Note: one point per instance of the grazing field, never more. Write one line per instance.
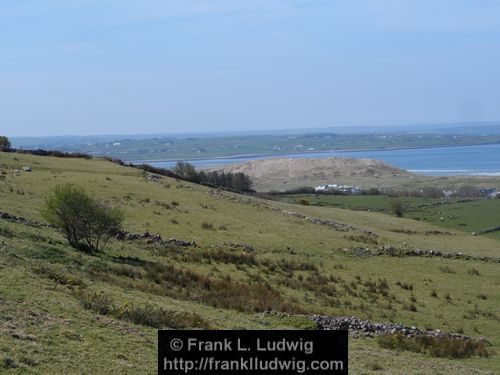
(466, 215)
(68, 311)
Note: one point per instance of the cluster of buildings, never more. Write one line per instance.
(344, 189)
(489, 193)
(471, 192)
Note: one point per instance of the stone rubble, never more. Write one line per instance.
(244, 246)
(155, 238)
(392, 251)
(120, 235)
(371, 329)
(335, 224)
(21, 220)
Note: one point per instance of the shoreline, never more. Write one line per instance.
(277, 155)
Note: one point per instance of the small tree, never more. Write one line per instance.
(397, 208)
(4, 143)
(186, 170)
(66, 207)
(81, 218)
(103, 222)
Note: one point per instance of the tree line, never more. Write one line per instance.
(234, 181)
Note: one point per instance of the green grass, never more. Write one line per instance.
(300, 264)
(468, 216)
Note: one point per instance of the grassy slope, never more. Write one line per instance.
(470, 216)
(35, 305)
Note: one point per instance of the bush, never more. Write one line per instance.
(4, 143)
(81, 218)
(6, 232)
(397, 208)
(186, 170)
(102, 223)
(371, 191)
(473, 271)
(207, 226)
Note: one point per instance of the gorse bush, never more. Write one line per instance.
(81, 218)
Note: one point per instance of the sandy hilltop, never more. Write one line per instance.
(289, 173)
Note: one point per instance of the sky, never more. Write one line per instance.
(176, 66)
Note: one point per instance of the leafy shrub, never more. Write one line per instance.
(81, 218)
(405, 286)
(4, 143)
(473, 271)
(371, 191)
(9, 363)
(98, 302)
(397, 208)
(6, 232)
(410, 307)
(207, 226)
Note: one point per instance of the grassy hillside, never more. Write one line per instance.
(466, 215)
(62, 310)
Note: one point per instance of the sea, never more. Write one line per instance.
(477, 160)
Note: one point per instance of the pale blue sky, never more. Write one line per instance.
(162, 66)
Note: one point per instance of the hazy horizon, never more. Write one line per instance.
(191, 66)
(458, 128)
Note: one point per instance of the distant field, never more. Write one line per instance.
(468, 216)
(174, 147)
